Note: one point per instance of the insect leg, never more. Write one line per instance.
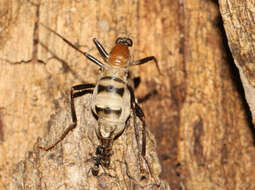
(147, 96)
(137, 110)
(76, 91)
(140, 114)
(133, 106)
(147, 59)
(88, 56)
(133, 109)
(101, 49)
(134, 83)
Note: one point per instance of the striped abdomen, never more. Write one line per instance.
(111, 105)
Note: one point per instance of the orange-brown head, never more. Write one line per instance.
(119, 56)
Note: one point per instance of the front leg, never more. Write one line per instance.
(76, 91)
(101, 50)
(147, 59)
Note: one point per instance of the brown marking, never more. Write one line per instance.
(198, 147)
(1, 131)
(224, 153)
(36, 34)
(119, 56)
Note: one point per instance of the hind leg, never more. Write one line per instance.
(76, 91)
(139, 113)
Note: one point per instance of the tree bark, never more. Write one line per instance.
(198, 116)
(42, 82)
(69, 164)
(238, 17)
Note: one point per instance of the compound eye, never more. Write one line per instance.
(129, 42)
(119, 40)
(125, 41)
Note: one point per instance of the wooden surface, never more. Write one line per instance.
(238, 17)
(199, 117)
(69, 164)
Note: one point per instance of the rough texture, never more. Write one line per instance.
(199, 116)
(68, 165)
(238, 17)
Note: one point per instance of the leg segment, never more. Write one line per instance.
(147, 96)
(76, 91)
(137, 110)
(140, 114)
(147, 59)
(135, 82)
(101, 49)
(134, 112)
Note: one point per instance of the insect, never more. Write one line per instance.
(113, 99)
(102, 158)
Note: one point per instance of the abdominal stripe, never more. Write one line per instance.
(108, 111)
(111, 89)
(112, 78)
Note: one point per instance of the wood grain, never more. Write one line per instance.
(199, 116)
